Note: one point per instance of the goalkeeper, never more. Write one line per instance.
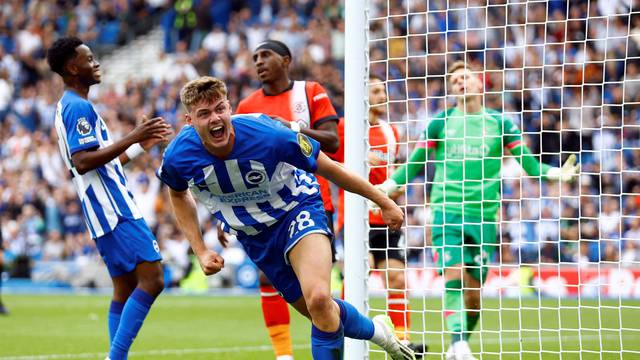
(466, 143)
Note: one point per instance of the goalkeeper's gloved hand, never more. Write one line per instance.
(566, 173)
(388, 187)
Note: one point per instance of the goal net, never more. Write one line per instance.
(563, 278)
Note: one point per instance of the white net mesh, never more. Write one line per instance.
(564, 281)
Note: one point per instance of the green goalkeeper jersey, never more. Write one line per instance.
(468, 159)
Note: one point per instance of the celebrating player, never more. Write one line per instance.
(303, 106)
(255, 176)
(95, 161)
(467, 142)
(387, 255)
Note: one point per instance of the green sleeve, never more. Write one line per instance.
(529, 162)
(408, 171)
(418, 157)
(512, 140)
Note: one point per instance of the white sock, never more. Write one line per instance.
(284, 357)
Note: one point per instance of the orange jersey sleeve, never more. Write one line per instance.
(339, 155)
(321, 109)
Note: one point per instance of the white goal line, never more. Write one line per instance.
(487, 340)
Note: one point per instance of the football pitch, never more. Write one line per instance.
(223, 327)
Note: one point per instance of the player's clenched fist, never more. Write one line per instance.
(392, 215)
(210, 262)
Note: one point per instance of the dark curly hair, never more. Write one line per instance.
(61, 51)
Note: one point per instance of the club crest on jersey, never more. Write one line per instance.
(255, 177)
(299, 107)
(305, 145)
(83, 127)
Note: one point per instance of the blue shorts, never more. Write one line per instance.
(129, 244)
(269, 250)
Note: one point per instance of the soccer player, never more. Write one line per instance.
(95, 161)
(387, 255)
(303, 106)
(255, 176)
(467, 143)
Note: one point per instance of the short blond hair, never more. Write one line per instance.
(204, 89)
(458, 65)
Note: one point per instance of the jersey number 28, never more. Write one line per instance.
(302, 221)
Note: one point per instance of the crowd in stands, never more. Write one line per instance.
(568, 79)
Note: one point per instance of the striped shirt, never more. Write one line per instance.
(267, 174)
(104, 194)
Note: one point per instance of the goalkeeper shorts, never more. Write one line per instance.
(469, 241)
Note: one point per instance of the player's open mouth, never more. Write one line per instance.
(217, 132)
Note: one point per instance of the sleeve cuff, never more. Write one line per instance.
(324, 120)
(90, 145)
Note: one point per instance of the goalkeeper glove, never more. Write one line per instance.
(388, 187)
(566, 172)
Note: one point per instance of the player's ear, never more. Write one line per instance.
(71, 68)
(188, 119)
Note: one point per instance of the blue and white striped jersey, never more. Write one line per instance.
(103, 192)
(268, 173)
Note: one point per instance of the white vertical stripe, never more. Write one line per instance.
(235, 175)
(390, 138)
(211, 179)
(124, 191)
(299, 105)
(92, 219)
(261, 216)
(104, 197)
(232, 219)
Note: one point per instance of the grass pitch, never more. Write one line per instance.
(215, 327)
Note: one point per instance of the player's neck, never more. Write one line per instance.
(277, 87)
(373, 119)
(77, 88)
(470, 105)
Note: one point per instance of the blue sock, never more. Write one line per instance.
(135, 310)
(327, 345)
(115, 310)
(356, 325)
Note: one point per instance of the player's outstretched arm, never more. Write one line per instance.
(406, 172)
(352, 182)
(184, 208)
(87, 160)
(533, 167)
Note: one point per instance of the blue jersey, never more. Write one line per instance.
(268, 173)
(103, 191)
